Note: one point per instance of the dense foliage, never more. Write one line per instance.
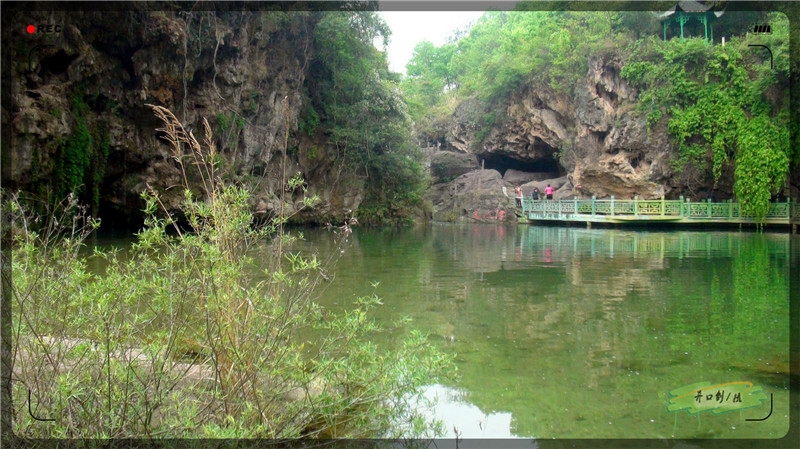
(81, 161)
(714, 101)
(723, 105)
(186, 335)
(506, 50)
(356, 103)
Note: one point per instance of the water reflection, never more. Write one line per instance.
(578, 333)
(566, 332)
(459, 415)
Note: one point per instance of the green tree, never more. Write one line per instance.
(718, 103)
(363, 114)
(428, 72)
(187, 336)
(506, 50)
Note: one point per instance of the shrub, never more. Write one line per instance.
(184, 335)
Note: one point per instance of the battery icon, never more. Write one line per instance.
(762, 29)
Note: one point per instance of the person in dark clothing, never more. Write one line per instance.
(712, 195)
(535, 194)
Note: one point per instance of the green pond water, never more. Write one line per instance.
(583, 333)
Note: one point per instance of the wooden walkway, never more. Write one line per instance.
(637, 211)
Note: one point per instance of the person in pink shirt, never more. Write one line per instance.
(548, 192)
(518, 196)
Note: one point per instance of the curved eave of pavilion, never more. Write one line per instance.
(690, 7)
(667, 14)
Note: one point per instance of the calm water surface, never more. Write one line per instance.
(576, 333)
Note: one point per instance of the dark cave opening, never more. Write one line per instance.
(120, 219)
(502, 163)
(56, 64)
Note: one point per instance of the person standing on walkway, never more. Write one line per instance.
(535, 194)
(548, 192)
(518, 195)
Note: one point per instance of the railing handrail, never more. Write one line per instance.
(663, 207)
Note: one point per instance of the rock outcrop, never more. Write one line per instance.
(475, 195)
(243, 71)
(447, 165)
(517, 177)
(594, 138)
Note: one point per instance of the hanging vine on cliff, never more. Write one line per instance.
(723, 106)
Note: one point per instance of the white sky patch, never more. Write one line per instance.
(412, 27)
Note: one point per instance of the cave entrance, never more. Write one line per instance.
(502, 163)
(56, 64)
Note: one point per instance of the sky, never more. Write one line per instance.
(410, 28)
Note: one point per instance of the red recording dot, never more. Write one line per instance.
(31, 29)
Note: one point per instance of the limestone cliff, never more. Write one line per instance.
(234, 68)
(593, 137)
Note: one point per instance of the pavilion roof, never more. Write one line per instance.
(690, 6)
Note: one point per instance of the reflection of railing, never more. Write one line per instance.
(611, 243)
(680, 210)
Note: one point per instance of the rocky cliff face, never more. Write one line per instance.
(593, 137)
(232, 68)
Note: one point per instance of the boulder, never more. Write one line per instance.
(478, 191)
(518, 177)
(622, 175)
(447, 165)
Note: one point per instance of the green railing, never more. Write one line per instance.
(664, 208)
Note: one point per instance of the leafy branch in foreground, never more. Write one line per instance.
(209, 331)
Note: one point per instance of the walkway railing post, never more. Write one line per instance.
(612, 241)
(662, 205)
(594, 204)
(681, 206)
(708, 207)
(636, 205)
(612, 205)
(730, 208)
